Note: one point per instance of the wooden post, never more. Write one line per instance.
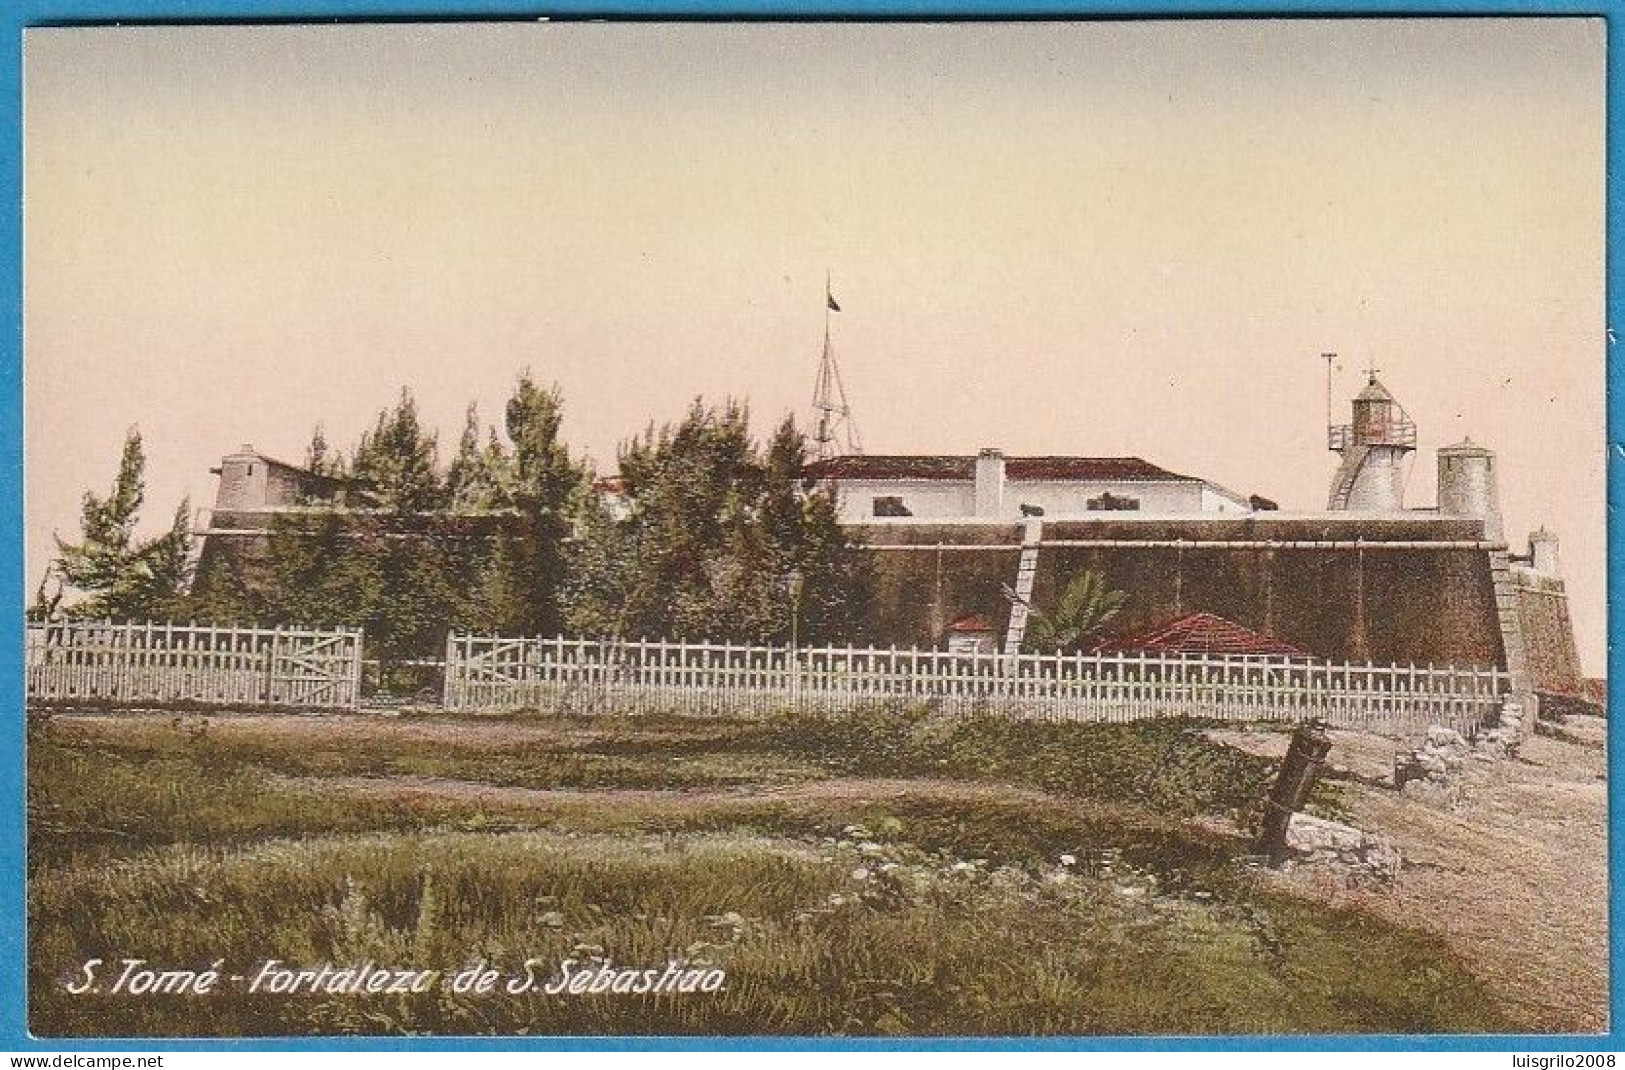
(1299, 770)
(354, 669)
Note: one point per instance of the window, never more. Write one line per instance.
(1109, 502)
(891, 505)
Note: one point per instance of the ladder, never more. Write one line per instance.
(1032, 533)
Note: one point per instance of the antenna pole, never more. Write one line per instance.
(1328, 358)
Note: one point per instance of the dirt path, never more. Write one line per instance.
(838, 789)
(460, 731)
(1516, 879)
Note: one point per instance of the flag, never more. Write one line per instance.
(829, 297)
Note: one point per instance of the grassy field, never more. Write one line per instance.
(885, 873)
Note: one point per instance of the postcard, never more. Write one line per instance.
(808, 529)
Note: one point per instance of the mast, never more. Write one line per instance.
(834, 430)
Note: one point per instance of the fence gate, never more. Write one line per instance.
(479, 669)
(321, 670)
(102, 663)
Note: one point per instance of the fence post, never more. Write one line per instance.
(355, 668)
(448, 694)
(795, 677)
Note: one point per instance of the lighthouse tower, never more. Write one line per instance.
(1371, 477)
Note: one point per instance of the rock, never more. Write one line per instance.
(1501, 741)
(1312, 834)
(1382, 857)
(1319, 840)
(1434, 770)
(1443, 794)
(1496, 744)
(1447, 742)
(1422, 765)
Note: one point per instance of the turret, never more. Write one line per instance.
(1467, 485)
(243, 480)
(1543, 552)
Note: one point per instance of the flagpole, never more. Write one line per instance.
(829, 393)
(829, 299)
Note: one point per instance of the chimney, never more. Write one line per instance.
(989, 482)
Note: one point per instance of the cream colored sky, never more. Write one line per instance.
(1111, 238)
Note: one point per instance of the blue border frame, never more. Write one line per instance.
(20, 14)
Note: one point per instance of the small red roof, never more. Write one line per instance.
(1201, 633)
(971, 622)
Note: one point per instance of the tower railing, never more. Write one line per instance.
(1398, 432)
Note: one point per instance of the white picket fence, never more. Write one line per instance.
(489, 672)
(163, 664)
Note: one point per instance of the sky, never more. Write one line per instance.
(1113, 238)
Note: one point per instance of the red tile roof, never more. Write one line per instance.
(971, 622)
(1016, 469)
(1201, 633)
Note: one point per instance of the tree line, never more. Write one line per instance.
(711, 535)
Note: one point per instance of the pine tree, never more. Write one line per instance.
(720, 535)
(123, 577)
(395, 464)
(317, 459)
(838, 586)
(544, 481)
(47, 596)
(593, 593)
(162, 577)
(781, 497)
(479, 478)
(691, 483)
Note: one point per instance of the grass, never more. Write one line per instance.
(1161, 764)
(568, 759)
(942, 909)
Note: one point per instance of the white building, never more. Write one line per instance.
(991, 486)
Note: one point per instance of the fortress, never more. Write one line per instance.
(1367, 578)
(993, 538)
